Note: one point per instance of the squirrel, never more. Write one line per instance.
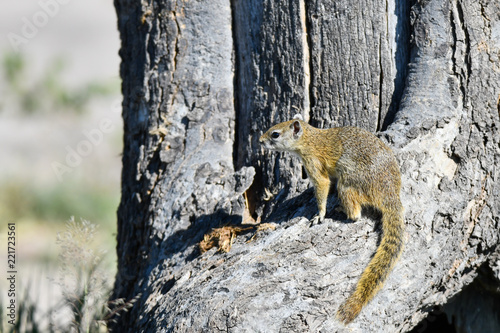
(367, 174)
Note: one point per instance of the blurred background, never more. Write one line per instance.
(60, 145)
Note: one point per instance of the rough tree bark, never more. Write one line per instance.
(203, 79)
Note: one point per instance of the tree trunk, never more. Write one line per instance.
(203, 79)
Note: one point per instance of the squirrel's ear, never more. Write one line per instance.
(297, 129)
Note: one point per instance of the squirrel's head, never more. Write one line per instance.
(283, 136)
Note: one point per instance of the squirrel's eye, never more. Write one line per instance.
(275, 135)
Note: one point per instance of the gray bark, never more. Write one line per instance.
(203, 79)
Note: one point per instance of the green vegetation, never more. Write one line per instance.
(48, 94)
(40, 207)
(21, 200)
(40, 212)
(84, 284)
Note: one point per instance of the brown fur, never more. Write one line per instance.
(367, 175)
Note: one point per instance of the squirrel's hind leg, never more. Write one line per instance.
(351, 202)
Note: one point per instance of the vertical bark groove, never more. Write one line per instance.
(308, 68)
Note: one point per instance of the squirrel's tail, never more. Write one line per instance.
(379, 267)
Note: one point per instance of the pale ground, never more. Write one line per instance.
(84, 33)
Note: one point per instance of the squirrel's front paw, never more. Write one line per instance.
(317, 219)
